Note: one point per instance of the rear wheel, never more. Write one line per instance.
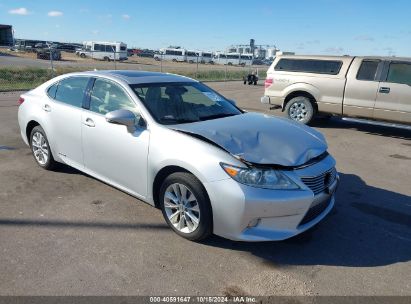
(300, 109)
(185, 206)
(106, 59)
(82, 55)
(41, 149)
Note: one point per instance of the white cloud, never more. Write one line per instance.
(334, 50)
(19, 11)
(125, 16)
(55, 14)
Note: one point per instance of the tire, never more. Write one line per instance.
(191, 61)
(174, 60)
(38, 138)
(181, 214)
(255, 82)
(300, 109)
(106, 59)
(82, 55)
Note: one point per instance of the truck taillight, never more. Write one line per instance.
(268, 82)
(20, 101)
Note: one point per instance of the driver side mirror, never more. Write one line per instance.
(124, 117)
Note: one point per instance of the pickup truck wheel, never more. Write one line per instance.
(300, 109)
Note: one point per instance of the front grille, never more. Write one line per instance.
(320, 182)
(315, 211)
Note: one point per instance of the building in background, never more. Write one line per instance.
(6, 35)
(258, 51)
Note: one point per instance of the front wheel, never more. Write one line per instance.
(185, 206)
(300, 109)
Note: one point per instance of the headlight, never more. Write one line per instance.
(261, 178)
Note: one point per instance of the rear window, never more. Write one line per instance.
(331, 67)
(399, 73)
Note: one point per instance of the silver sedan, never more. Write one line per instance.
(178, 145)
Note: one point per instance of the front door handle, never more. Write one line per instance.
(89, 122)
(385, 90)
(47, 108)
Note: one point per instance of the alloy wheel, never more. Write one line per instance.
(298, 111)
(40, 148)
(182, 208)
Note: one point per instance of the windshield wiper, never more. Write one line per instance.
(221, 115)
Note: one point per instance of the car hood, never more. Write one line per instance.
(260, 139)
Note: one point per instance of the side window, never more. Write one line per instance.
(51, 92)
(107, 96)
(368, 70)
(71, 90)
(399, 73)
(330, 67)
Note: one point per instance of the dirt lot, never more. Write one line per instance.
(65, 233)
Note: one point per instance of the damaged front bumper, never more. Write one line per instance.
(246, 213)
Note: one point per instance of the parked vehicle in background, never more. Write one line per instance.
(192, 57)
(171, 54)
(233, 58)
(145, 53)
(206, 57)
(251, 78)
(44, 53)
(376, 88)
(246, 59)
(220, 58)
(178, 145)
(102, 50)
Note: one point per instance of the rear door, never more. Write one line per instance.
(361, 87)
(65, 110)
(393, 101)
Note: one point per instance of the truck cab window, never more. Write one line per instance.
(368, 70)
(399, 73)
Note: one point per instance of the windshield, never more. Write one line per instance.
(174, 103)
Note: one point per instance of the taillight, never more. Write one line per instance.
(268, 82)
(20, 101)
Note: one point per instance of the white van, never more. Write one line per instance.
(192, 57)
(176, 55)
(102, 50)
(246, 59)
(233, 58)
(206, 57)
(220, 58)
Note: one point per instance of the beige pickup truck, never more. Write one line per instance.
(374, 88)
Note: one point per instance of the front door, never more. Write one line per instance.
(394, 94)
(114, 153)
(361, 88)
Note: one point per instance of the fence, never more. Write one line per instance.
(26, 70)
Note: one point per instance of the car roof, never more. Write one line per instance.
(137, 77)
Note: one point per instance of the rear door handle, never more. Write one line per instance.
(385, 90)
(89, 122)
(46, 108)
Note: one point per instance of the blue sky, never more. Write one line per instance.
(305, 26)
